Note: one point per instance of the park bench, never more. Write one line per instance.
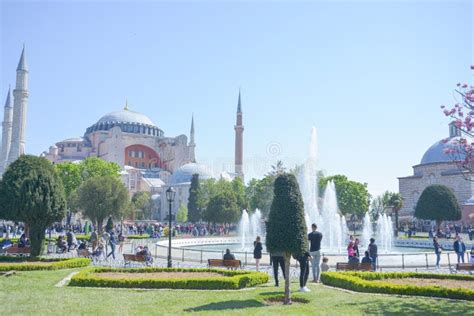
(84, 253)
(15, 250)
(345, 266)
(465, 267)
(129, 258)
(231, 264)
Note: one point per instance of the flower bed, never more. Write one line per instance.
(225, 279)
(31, 263)
(379, 283)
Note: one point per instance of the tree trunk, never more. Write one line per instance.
(36, 240)
(100, 223)
(438, 224)
(287, 299)
(396, 223)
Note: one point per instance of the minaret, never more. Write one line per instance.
(20, 105)
(6, 131)
(239, 141)
(192, 144)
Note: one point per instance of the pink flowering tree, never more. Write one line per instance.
(462, 114)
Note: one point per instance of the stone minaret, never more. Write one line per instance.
(192, 144)
(239, 141)
(6, 132)
(20, 104)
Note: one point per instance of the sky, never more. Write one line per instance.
(369, 75)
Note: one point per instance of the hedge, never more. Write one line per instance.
(42, 264)
(374, 283)
(230, 280)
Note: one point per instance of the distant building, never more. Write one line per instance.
(437, 167)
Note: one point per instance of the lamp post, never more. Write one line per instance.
(170, 194)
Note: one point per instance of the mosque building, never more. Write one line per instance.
(150, 160)
(437, 167)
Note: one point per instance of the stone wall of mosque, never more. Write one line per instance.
(446, 174)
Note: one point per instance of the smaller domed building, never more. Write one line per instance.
(437, 167)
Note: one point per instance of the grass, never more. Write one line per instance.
(34, 293)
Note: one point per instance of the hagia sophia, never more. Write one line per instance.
(150, 160)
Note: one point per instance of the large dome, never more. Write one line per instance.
(125, 116)
(437, 152)
(184, 173)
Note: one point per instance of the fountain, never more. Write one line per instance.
(385, 233)
(309, 183)
(332, 224)
(256, 224)
(244, 229)
(367, 231)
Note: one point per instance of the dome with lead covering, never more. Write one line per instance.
(185, 173)
(438, 152)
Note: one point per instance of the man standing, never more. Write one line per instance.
(373, 253)
(315, 238)
(459, 248)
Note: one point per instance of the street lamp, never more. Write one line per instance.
(170, 194)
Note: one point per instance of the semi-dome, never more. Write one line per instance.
(184, 173)
(125, 116)
(437, 152)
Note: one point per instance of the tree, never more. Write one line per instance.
(352, 197)
(437, 202)
(260, 194)
(95, 167)
(286, 228)
(222, 208)
(182, 215)
(101, 197)
(32, 192)
(238, 187)
(396, 203)
(277, 169)
(142, 203)
(380, 205)
(194, 211)
(461, 149)
(110, 224)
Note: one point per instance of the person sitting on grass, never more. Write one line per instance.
(228, 255)
(367, 258)
(324, 265)
(23, 242)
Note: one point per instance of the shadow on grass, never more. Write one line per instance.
(414, 306)
(220, 306)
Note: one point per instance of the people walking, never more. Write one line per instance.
(459, 248)
(303, 260)
(112, 243)
(275, 260)
(437, 249)
(257, 252)
(373, 253)
(315, 238)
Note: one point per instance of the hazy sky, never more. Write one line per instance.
(370, 75)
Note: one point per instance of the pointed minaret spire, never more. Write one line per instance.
(192, 144)
(22, 65)
(126, 105)
(239, 105)
(6, 132)
(239, 141)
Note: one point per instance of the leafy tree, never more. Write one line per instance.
(142, 203)
(95, 167)
(238, 187)
(260, 194)
(194, 211)
(101, 197)
(352, 197)
(380, 204)
(222, 208)
(277, 169)
(286, 228)
(396, 203)
(182, 215)
(437, 202)
(462, 114)
(32, 192)
(207, 189)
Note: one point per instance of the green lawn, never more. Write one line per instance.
(34, 293)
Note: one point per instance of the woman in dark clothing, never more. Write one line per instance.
(303, 260)
(257, 252)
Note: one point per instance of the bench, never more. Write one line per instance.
(465, 267)
(84, 253)
(231, 264)
(345, 266)
(15, 250)
(129, 258)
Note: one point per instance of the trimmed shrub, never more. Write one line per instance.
(230, 280)
(375, 283)
(30, 264)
